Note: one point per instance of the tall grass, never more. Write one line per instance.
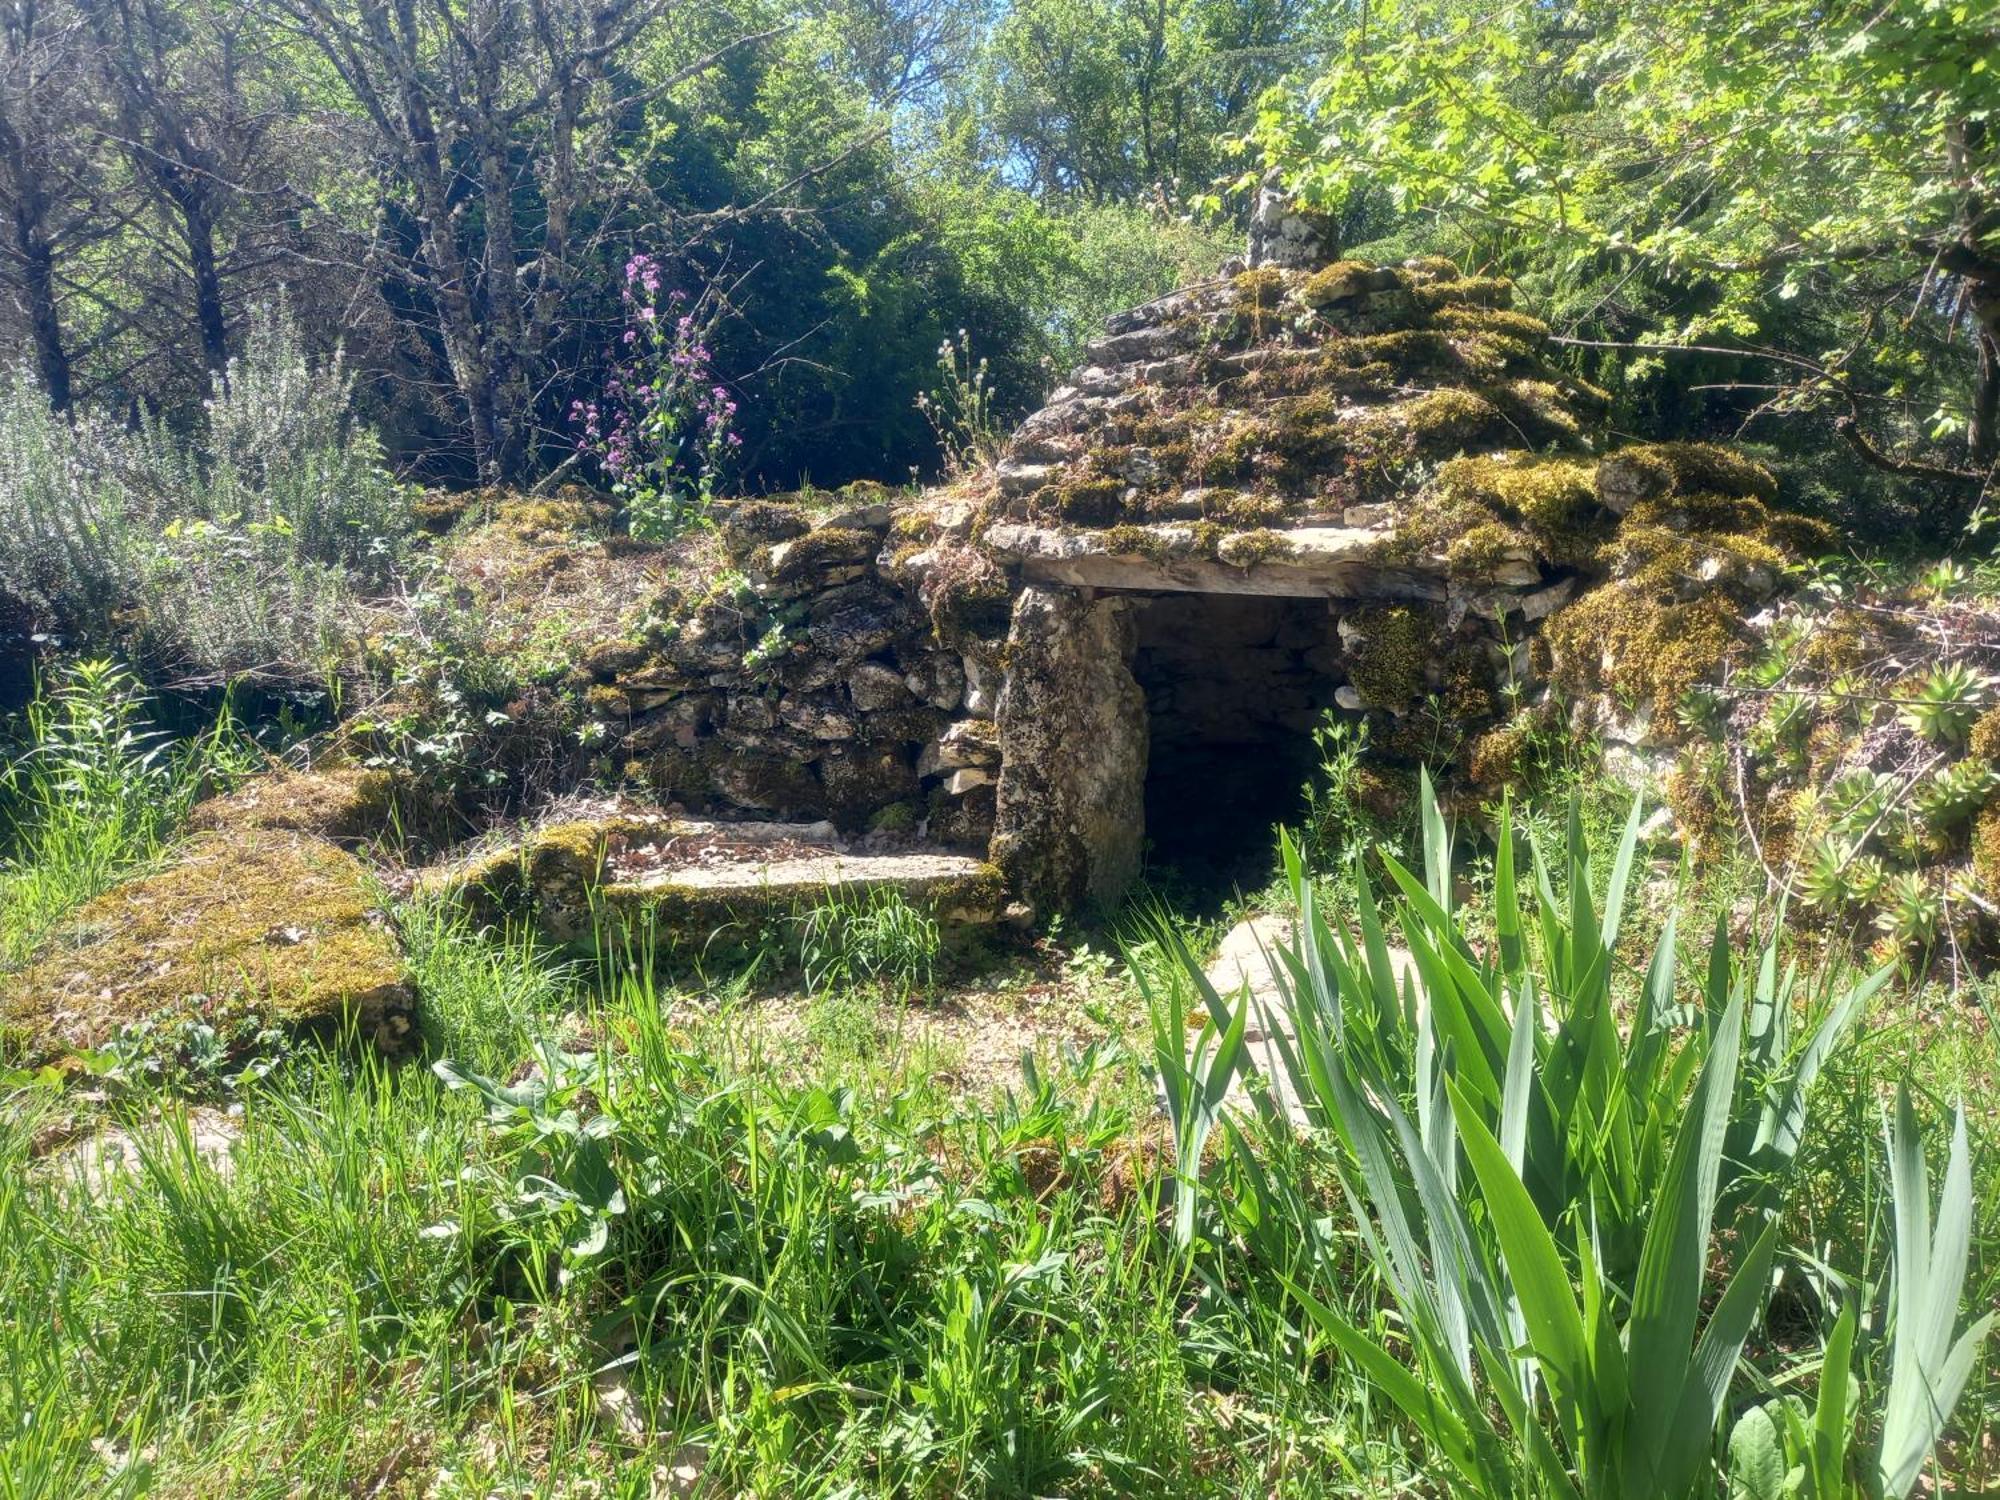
(611, 1238)
(95, 793)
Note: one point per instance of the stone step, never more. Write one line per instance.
(955, 890)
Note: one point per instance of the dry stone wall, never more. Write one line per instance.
(808, 681)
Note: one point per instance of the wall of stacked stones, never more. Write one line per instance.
(1390, 443)
(811, 681)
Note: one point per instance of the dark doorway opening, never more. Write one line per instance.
(1234, 686)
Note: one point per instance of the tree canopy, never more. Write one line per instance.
(1812, 184)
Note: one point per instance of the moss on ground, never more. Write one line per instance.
(350, 804)
(279, 928)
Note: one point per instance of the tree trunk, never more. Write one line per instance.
(38, 291)
(210, 317)
(1983, 432)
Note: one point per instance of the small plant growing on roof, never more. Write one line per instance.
(1912, 909)
(1947, 703)
(1947, 797)
(960, 409)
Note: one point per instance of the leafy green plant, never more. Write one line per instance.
(1570, 1330)
(552, 1128)
(1947, 797)
(1192, 1084)
(230, 551)
(1825, 882)
(1912, 907)
(1927, 1369)
(1337, 828)
(1945, 704)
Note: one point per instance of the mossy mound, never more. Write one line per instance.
(1683, 569)
(547, 877)
(245, 927)
(348, 804)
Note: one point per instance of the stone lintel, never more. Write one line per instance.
(1313, 562)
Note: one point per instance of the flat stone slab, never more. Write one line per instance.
(912, 874)
(693, 876)
(1310, 562)
(954, 889)
(1246, 955)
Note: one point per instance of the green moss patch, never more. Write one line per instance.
(280, 928)
(1391, 655)
(349, 804)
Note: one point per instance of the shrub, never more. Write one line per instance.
(231, 552)
(282, 450)
(70, 549)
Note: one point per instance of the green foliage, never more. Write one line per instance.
(1927, 1369)
(1570, 1331)
(233, 553)
(873, 936)
(96, 794)
(1667, 179)
(1946, 703)
(1340, 825)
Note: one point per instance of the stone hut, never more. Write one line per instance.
(1308, 484)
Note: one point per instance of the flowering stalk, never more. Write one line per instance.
(663, 430)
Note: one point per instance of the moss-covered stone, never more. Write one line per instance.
(1649, 471)
(1983, 743)
(1259, 291)
(1551, 501)
(551, 520)
(1245, 549)
(1091, 500)
(275, 927)
(1621, 639)
(1986, 853)
(1344, 280)
(1463, 292)
(1392, 649)
(819, 552)
(1433, 425)
(349, 804)
(1502, 757)
(968, 597)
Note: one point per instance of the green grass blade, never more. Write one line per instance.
(1830, 1426)
(1666, 1296)
(1621, 873)
(1548, 1306)
(1706, 1383)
